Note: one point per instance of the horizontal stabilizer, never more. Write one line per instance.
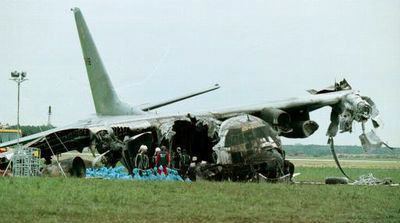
(167, 102)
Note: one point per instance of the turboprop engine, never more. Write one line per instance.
(301, 129)
(298, 126)
(276, 117)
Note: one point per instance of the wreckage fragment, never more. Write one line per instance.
(71, 167)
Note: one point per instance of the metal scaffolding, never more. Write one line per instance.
(26, 162)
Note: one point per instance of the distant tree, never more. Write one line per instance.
(324, 150)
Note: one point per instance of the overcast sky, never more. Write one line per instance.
(153, 50)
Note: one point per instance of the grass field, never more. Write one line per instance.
(346, 163)
(84, 200)
(320, 173)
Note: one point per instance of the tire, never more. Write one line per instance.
(336, 180)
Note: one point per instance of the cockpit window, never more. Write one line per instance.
(248, 135)
(260, 132)
(234, 137)
(237, 136)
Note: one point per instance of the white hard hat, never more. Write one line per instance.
(143, 148)
(194, 158)
(158, 149)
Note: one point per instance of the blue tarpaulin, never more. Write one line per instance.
(122, 174)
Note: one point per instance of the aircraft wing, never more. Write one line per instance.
(292, 117)
(59, 139)
(311, 103)
(30, 138)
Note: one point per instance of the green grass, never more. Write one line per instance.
(319, 174)
(346, 163)
(83, 200)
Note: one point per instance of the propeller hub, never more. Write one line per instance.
(363, 111)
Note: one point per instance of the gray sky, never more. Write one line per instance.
(153, 50)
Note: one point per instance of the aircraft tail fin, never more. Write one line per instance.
(105, 98)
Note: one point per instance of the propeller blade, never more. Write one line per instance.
(375, 118)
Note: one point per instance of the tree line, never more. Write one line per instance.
(325, 150)
(32, 129)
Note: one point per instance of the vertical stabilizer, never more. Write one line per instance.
(105, 99)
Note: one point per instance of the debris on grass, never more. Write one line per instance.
(369, 179)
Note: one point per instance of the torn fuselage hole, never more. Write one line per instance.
(193, 136)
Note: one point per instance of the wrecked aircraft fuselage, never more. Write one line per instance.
(239, 144)
(238, 148)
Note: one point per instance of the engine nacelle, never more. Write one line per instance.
(275, 117)
(359, 108)
(301, 129)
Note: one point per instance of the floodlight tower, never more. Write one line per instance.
(18, 77)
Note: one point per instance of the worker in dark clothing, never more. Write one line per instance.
(163, 159)
(184, 161)
(177, 158)
(288, 168)
(192, 169)
(141, 159)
